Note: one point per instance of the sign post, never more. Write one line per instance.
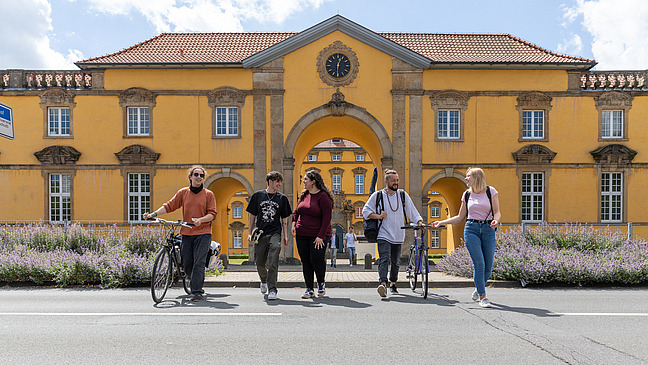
(6, 121)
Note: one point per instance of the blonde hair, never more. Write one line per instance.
(478, 180)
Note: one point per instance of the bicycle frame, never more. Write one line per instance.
(164, 273)
(418, 263)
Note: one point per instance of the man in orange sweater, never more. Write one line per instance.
(198, 207)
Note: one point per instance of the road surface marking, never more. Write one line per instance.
(605, 314)
(173, 314)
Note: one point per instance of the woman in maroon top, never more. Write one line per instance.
(312, 228)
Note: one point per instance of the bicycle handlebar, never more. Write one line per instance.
(420, 227)
(173, 223)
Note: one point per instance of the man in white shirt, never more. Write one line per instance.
(350, 245)
(390, 234)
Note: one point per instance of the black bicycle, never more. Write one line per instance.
(418, 262)
(167, 268)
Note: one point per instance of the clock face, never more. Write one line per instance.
(338, 65)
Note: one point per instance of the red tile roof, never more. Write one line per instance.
(206, 48)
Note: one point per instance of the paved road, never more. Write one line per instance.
(351, 325)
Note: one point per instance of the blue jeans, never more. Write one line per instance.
(351, 251)
(480, 242)
(194, 251)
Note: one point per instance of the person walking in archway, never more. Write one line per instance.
(311, 226)
(268, 211)
(198, 207)
(350, 240)
(390, 234)
(480, 205)
(333, 248)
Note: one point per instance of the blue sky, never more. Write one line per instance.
(52, 34)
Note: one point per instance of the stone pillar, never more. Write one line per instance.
(288, 165)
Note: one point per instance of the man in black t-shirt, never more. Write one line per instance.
(269, 210)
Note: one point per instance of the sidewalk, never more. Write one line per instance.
(290, 276)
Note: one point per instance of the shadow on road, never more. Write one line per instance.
(415, 298)
(209, 301)
(319, 302)
(538, 312)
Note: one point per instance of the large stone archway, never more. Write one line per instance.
(359, 126)
(450, 184)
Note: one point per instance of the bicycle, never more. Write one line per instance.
(418, 262)
(167, 268)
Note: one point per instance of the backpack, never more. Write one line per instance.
(371, 227)
(490, 200)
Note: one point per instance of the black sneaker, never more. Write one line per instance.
(393, 289)
(321, 289)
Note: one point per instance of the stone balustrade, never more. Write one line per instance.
(611, 80)
(27, 79)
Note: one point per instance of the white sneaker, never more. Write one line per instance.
(485, 303)
(264, 288)
(272, 295)
(475, 295)
(382, 290)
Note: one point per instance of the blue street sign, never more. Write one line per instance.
(6, 121)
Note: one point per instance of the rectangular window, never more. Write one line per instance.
(59, 121)
(358, 212)
(359, 184)
(435, 239)
(611, 196)
(238, 239)
(312, 157)
(435, 212)
(227, 123)
(533, 197)
(533, 124)
(336, 157)
(337, 183)
(448, 124)
(139, 196)
(138, 121)
(360, 158)
(60, 198)
(237, 212)
(612, 124)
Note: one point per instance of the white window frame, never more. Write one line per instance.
(227, 121)
(312, 158)
(138, 121)
(435, 212)
(60, 198)
(359, 184)
(237, 212)
(611, 209)
(359, 158)
(533, 196)
(358, 212)
(446, 120)
(336, 157)
(58, 122)
(237, 239)
(533, 124)
(612, 124)
(139, 195)
(336, 183)
(435, 238)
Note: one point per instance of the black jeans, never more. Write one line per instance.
(313, 260)
(389, 254)
(194, 251)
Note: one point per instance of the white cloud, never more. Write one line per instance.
(572, 45)
(205, 15)
(618, 29)
(25, 30)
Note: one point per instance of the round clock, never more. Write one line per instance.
(338, 65)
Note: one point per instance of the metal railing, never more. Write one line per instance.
(632, 230)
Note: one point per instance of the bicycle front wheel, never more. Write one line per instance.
(411, 269)
(425, 269)
(161, 275)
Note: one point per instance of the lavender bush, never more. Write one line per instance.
(571, 254)
(45, 254)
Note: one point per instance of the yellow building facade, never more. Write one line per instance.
(560, 142)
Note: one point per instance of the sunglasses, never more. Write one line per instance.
(197, 174)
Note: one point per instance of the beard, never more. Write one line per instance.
(393, 187)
